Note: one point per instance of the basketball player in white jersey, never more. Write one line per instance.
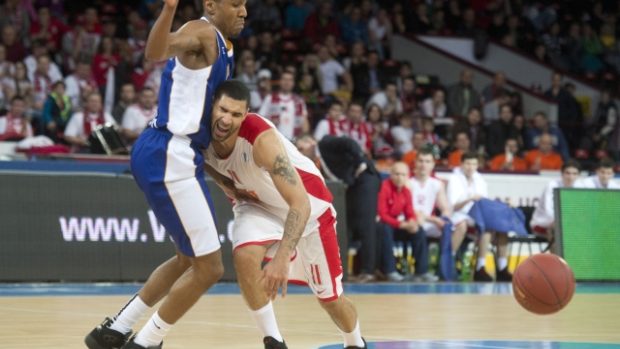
(167, 163)
(429, 193)
(289, 218)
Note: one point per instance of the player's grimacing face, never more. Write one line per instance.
(226, 118)
(233, 14)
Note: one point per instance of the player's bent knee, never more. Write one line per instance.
(208, 269)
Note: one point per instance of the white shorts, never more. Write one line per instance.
(316, 262)
(431, 230)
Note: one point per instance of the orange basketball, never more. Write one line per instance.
(543, 283)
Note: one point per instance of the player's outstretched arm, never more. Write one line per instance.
(162, 44)
(269, 153)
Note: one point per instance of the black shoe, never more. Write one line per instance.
(272, 343)
(132, 345)
(504, 275)
(354, 347)
(103, 337)
(482, 276)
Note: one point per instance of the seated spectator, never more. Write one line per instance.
(56, 112)
(543, 158)
(543, 218)
(499, 131)
(84, 122)
(520, 130)
(19, 85)
(398, 220)
(496, 88)
(81, 84)
(466, 186)
(462, 96)
(331, 71)
(410, 157)
(137, 116)
(388, 101)
(295, 15)
(435, 108)
(15, 126)
(15, 49)
(333, 124)
(461, 146)
(41, 82)
(320, 23)
(353, 27)
(358, 129)
(603, 178)
(39, 49)
(408, 95)
(127, 97)
(380, 32)
(428, 194)
(402, 134)
(510, 160)
(378, 128)
(569, 110)
(263, 89)
(472, 126)
(493, 108)
(541, 126)
(601, 125)
(431, 137)
(286, 109)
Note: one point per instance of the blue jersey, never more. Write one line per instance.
(186, 95)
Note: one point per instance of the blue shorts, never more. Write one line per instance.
(169, 170)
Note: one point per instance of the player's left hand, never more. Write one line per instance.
(275, 276)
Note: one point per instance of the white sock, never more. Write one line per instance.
(129, 315)
(502, 263)
(481, 262)
(353, 338)
(265, 318)
(153, 332)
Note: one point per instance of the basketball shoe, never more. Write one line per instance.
(482, 275)
(272, 343)
(504, 275)
(132, 345)
(103, 337)
(354, 347)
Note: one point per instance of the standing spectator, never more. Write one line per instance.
(497, 88)
(358, 129)
(543, 218)
(15, 126)
(462, 146)
(358, 67)
(603, 178)
(331, 71)
(466, 186)
(398, 220)
(500, 130)
(462, 96)
(340, 158)
(82, 123)
(472, 126)
(56, 112)
(286, 109)
(388, 101)
(543, 158)
(80, 84)
(380, 33)
(601, 125)
(402, 134)
(332, 124)
(570, 118)
(540, 126)
(510, 160)
(137, 116)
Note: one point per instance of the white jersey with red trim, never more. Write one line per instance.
(425, 195)
(240, 167)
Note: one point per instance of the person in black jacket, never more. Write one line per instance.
(341, 158)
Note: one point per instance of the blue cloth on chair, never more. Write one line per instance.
(494, 215)
(447, 267)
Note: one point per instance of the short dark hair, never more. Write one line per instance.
(425, 151)
(234, 89)
(469, 155)
(571, 163)
(605, 163)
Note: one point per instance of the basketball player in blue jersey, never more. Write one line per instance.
(166, 162)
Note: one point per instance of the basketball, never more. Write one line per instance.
(543, 284)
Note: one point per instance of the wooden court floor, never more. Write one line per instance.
(222, 321)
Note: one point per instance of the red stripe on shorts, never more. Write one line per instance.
(329, 239)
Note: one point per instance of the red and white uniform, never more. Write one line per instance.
(424, 197)
(287, 111)
(317, 261)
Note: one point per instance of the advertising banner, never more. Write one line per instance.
(92, 227)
